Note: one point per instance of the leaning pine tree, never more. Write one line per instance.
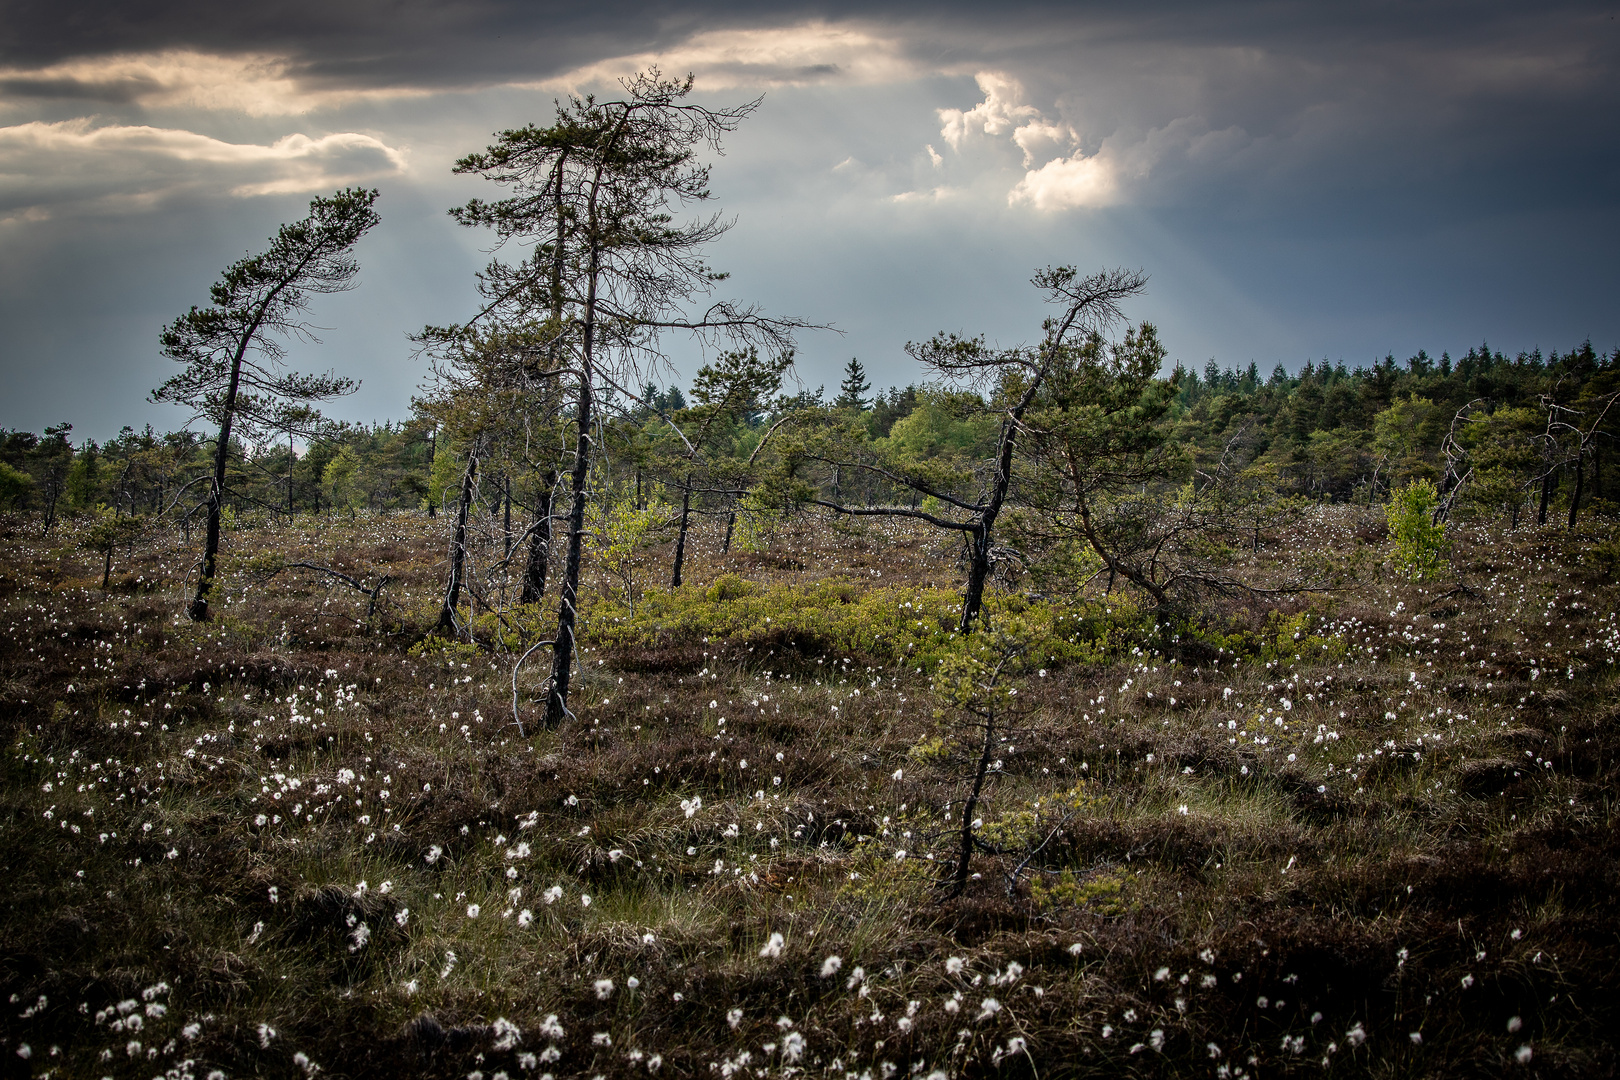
(232, 359)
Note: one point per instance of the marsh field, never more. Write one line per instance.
(1367, 830)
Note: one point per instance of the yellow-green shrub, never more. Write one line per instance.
(898, 626)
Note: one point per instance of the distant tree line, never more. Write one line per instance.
(1526, 427)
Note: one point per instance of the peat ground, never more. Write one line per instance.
(1366, 831)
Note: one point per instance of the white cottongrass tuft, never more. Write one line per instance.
(604, 989)
(507, 1034)
(552, 895)
(772, 948)
(830, 966)
(733, 1018)
(988, 1008)
(954, 965)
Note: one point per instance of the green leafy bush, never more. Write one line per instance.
(622, 530)
(1419, 540)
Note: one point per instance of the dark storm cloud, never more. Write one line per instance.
(121, 92)
(1199, 99)
(372, 43)
(1302, 179)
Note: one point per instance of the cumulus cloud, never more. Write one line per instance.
(1068, 183)
(1003, 109)
(798, 55)
(1058, 173)
(253, 83)
(46, 166)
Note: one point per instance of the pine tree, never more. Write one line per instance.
(852, 391)
(233, 361)
(611, 269)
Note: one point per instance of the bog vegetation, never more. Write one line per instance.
(1072, 712)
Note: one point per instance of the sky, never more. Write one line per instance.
(1302, 182)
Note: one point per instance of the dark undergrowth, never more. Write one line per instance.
(1366, 832)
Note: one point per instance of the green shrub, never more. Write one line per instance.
(1419, 540)
(15, 486)
(622, 530)
(436, 647)
(903, 627)
(730, 587)
(756, 524)
(1104, 893)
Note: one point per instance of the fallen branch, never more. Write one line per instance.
(354, 583)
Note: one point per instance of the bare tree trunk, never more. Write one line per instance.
(965, 854)
(433, 453)
(216, 493)
(534, 574)
(1575, 499)
(680, 539)
(508, 491)
(978, 573)
(458, 551)
(979, 570)
(562, 655)
(731, 523)
(1546, 494)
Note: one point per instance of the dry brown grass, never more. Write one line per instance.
(1444, 861)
